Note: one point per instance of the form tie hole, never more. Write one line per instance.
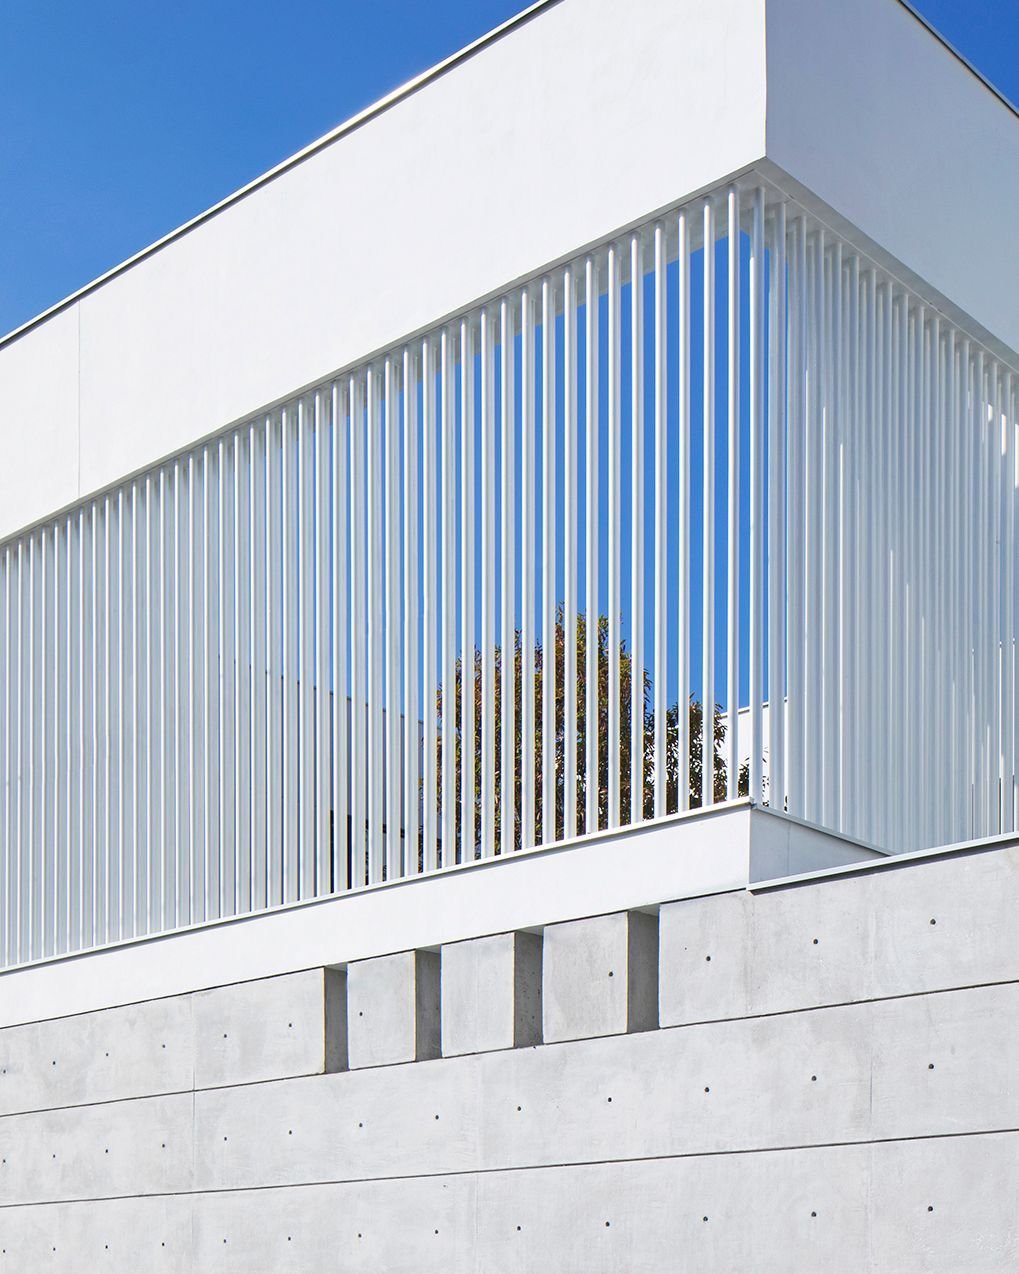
(933, 921)
(815, 942)
(707, 959)
(930, 1207)
(930, 1066)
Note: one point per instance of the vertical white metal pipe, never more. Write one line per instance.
(395, 708)
(571, 686)
(614, 535)
(548, 571)
(411, 644)
(359, 758)
(528, 570)
(508, 713)
(258, 444)
(291, 655)
(447, 391)
(305, 689)
(468, 573)
(758, 513)
(661, 545)
(431, 615)
(592, 719)
(777, 497)
(684, 609)
(488, 584)
(732, 757)
(341, 630)
(707, 794)
(638, 583)
(375, 633)
(323, 403)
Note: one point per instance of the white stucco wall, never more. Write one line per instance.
(583, 119)
(878, 119)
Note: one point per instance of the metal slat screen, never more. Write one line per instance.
(663, 527)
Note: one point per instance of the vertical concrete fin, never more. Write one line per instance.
(335, 1012)
(642, 972)
(527, 989)
(427, 1005)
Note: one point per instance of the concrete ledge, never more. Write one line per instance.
(684, 856)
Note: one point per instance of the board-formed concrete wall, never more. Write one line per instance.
(828, 1083)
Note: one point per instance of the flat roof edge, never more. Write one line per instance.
(961, 57)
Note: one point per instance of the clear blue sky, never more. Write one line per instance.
(121, 119)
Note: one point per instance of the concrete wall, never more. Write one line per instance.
(829, 1085)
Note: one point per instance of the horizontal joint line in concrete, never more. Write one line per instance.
(536, 1167)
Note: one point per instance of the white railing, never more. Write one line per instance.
(207, 672)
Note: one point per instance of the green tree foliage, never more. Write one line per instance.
(694, 710)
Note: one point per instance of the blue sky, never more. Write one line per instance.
(119, 120)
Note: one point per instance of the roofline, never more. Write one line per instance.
(362, 117)
(961, 57)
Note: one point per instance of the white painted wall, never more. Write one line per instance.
(581, 120)
(881, 121)
(564, 128)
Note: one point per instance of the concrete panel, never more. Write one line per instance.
(812, 945)
(891, 1208)
(270, 1029)
(135, 1051)
(600, 976)
(424, 1226)
(703, 970)
(393, 1012)
(846, 1074)
(871, 935)
(924, 1066)
(491, 993)
(946, 1206)
(115, 1236)
(972, 901)
(94, 1152)
(39, 423)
